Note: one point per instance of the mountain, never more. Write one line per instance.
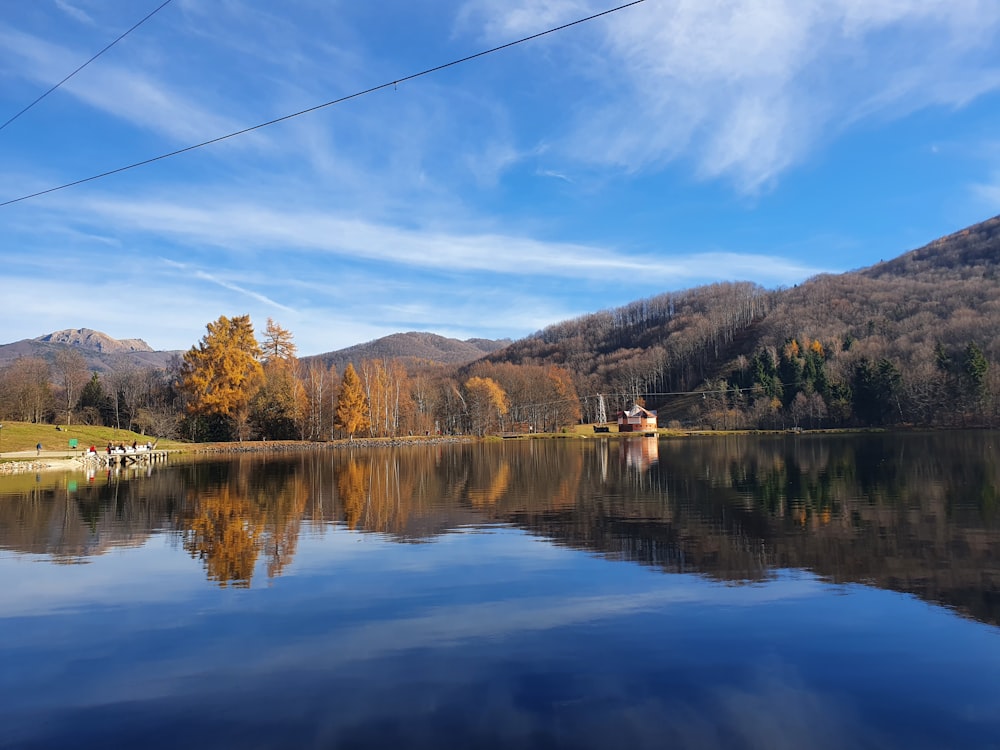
(911, 340)
(87, 338)
(413, 348)
(101, 352)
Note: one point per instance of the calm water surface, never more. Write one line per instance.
(779, 592)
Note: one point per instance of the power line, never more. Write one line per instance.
(330, 103)
(136, 26)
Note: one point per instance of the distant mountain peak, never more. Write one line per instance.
(413, 345)
(87, 338)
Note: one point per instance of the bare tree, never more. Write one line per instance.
(71, 368)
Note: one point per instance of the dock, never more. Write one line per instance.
(140, 455)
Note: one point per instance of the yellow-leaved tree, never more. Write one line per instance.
(222, 373)
(279, 405)
(352, 406)
(488, 403)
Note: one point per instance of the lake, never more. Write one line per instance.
(791, 591)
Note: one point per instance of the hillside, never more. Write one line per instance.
(413, 348)
(101, 352)
(911, 340)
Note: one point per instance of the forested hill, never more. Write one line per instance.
(911, 340)
(413, 347)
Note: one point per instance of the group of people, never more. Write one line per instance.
(120, 448)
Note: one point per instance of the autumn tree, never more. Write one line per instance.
(487, 403)
(387, 388)
(278, 344)
(565, 404)
(277, 407)
(221, 374)
(320, 384)
(352, 406)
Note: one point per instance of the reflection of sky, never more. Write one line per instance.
(488, 634)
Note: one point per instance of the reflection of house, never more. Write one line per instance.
(641, 453)
(636, 419)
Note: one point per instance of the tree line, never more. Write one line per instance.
(908, 342)
(236, 385)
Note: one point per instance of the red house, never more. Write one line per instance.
(636, 419)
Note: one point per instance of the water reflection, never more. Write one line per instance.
(912, 513)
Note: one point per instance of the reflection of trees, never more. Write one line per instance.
(494, 488)
(224, 531)
(398, 491)
(247, 509)
(351, 487)
(913, 513)
(71, 517)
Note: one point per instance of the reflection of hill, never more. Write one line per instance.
(913, 513)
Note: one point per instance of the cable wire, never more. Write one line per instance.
(136, 26)
(330, 103)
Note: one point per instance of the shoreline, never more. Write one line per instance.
(23, 462)
(12, 468)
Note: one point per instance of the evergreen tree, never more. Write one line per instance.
(975, 367)
(94, 405)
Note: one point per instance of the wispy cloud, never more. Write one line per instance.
(989, 194)
(134, 96)
(246, 227)
(236, 288)
(75, 13)
(746, 89)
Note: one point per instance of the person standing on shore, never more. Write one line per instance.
(38, 449)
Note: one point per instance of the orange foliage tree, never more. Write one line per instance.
(352, 406)
(221, 374)
(487, 402)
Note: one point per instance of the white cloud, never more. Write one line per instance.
(75, 13)
(116, 89)
(248, 227)
(989, 194)
(745, 89)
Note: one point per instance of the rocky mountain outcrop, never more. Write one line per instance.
(87, 338)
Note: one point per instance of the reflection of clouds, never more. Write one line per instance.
(154, 573)
(493, 701)
(777, 710)
(378, 648)
(443, 625)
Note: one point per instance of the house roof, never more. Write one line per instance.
(638, 411)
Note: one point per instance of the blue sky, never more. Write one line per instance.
(666, 145)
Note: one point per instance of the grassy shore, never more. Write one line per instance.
(22, 437)
(19, 437)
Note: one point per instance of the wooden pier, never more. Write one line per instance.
(128, 457)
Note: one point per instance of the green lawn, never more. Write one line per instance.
(24, 436)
